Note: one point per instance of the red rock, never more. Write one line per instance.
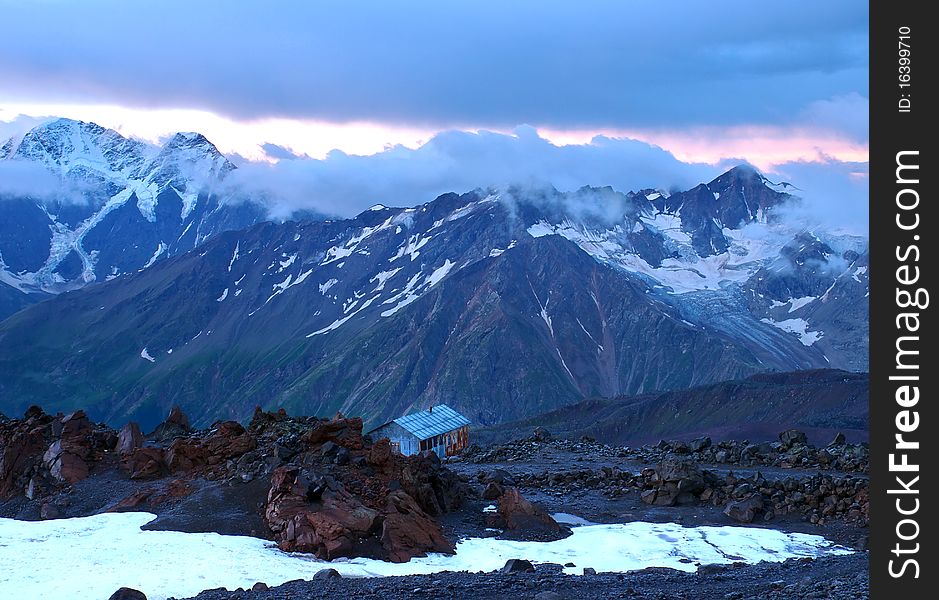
(230, 440)
(178, 417)
(184, 455)
(21, 448)
(69, 468)
(330, 526)
(144, 463)
(379, 454)
(342, 431)
(132, 501)
(129, 439)
(175, 425)
(517, 513)
(407, 531)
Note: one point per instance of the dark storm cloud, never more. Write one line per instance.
(492, 64)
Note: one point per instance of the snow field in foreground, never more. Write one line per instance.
(91, 557)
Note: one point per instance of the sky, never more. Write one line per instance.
(538, 87)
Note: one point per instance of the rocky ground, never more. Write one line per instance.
(841, 578)
(681, 482)
(320, 486)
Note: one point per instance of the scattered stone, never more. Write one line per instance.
(744, 511)
(327, 574)
(540, 434)
(518, 565)
(791, 437)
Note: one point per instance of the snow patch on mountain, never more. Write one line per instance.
(800, 327)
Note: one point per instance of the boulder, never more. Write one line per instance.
(261, 587)
(340, 430)
(500, 476)
(128, 594)
(540, 434)
(518, 565)
(69, 468)
(184, 455)
(699, 444)
(791, 437)
(685, 474)
(144, 463)
(129, 439)
(744, 511)
(515, 513)
(318, 517)
(176, 425)
(178, 417)
(327, 574)
(493, 490)
(21, 448)
(407, 531)
(839, 440)
(674, 481)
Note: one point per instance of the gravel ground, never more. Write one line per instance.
(841, 578)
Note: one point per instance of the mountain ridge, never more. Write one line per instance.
(107, 204)
(500, 303)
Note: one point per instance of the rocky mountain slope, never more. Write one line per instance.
(502, 303)
(97, 205)
(823, 403)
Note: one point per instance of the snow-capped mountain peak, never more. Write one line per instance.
(120, 205)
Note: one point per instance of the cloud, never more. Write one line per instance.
(27, 179)
(277, 152)
(15, 125)
(466, 63)
(835, 193)
(344, 185)
(849, 114)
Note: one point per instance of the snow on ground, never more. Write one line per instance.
(750, 247)
(234, 256)
(161, 248)
(797, 303)
(569, 519)
(110, 550)
(324, 287)
(799, 327)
